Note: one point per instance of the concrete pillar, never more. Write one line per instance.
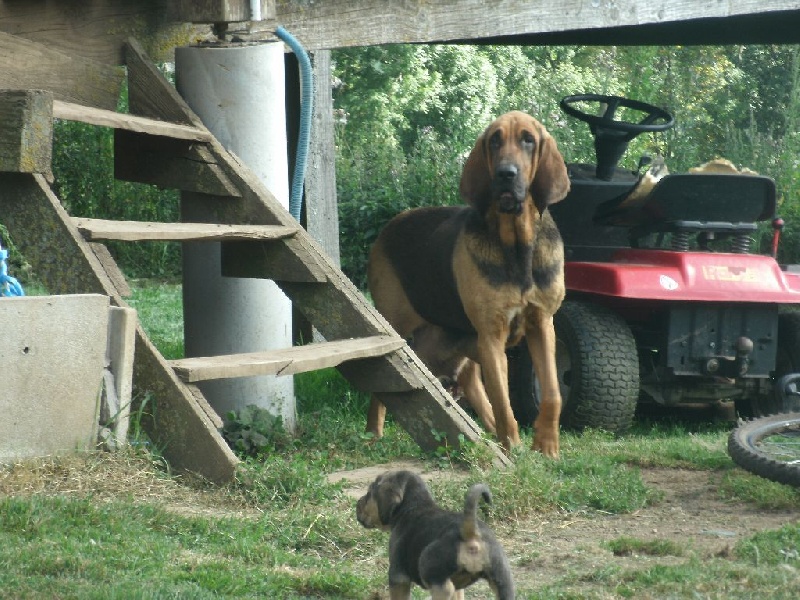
(239, 94)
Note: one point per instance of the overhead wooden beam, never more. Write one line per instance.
(217, 11)
(98, 29)
(344, 23)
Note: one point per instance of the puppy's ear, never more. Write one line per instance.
(389, 496)
(550, 182)
(476, 178)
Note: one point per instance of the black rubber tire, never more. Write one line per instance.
(598, 368)
(746, 448)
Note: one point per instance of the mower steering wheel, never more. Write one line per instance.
(606, 121)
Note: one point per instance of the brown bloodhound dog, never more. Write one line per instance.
(463, 283)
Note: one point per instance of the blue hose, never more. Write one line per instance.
(306, 112)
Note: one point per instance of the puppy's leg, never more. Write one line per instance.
(469, 380)
(400, 591)
(446, 591)
(492, 357)
(541, 338)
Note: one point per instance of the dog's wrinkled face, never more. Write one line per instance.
(375, 508)
(515, 157)
(509, 150)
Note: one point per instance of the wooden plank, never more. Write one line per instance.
(110, 118)
(169, 163)
(347, 23)
(109, 265)
(217, 11)
(97, 30)
(26, 131)
(149, 94)
(27, 65)
(322, 213)
(135, 231)
(385, 374)
(289, 261)
(170, 415)
(289, 361)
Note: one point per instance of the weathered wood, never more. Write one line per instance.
(110, 118)
(386, 374)
(112, 271)
(45, 235)
(26, 131)
(169, 163)
(345, 23)
(217, 11)
(289, 361)
(27, 65)
(137, 231)
(97, 30)
(147, 94)
(322, 214)
(290, 261)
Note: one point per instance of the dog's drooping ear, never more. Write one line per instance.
(389, 492)
(475, 186)
(550, 182)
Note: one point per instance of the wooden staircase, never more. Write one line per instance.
(162, 142)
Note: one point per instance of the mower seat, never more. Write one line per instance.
(694, 202)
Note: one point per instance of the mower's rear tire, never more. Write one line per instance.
(598, 369)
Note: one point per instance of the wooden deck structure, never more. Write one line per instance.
(68, 60)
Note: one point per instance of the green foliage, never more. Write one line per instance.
(253, 430)
(409, 116)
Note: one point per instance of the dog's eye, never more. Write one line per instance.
(528, 139)
(496, 140)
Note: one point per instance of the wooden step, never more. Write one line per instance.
(115, 120)
(289, 361)
(137, 231)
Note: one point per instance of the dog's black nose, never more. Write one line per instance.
(506, 172)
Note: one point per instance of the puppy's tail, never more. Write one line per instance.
(469, 527)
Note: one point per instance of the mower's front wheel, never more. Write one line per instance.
(598, 370)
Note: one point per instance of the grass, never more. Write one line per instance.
(122, 526)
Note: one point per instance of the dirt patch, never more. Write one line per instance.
(691, 514)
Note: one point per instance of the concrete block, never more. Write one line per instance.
(52, 357)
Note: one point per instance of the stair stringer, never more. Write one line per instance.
(45, 234)
(316, 286)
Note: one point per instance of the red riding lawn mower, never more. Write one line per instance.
(665, 305)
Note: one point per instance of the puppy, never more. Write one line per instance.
(440, 551)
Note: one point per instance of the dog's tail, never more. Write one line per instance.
(469, 527)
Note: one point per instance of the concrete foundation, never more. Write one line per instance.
(53, 354)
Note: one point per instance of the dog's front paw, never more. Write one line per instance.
(545, 440)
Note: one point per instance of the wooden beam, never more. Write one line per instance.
(26, 131)
(289, 361)
(169, 163)
(46, 236)
(217, 11)
(138, 231)
(345, 23)
(96, 30)
(27, 65)
(116, 120)
(149, 94)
